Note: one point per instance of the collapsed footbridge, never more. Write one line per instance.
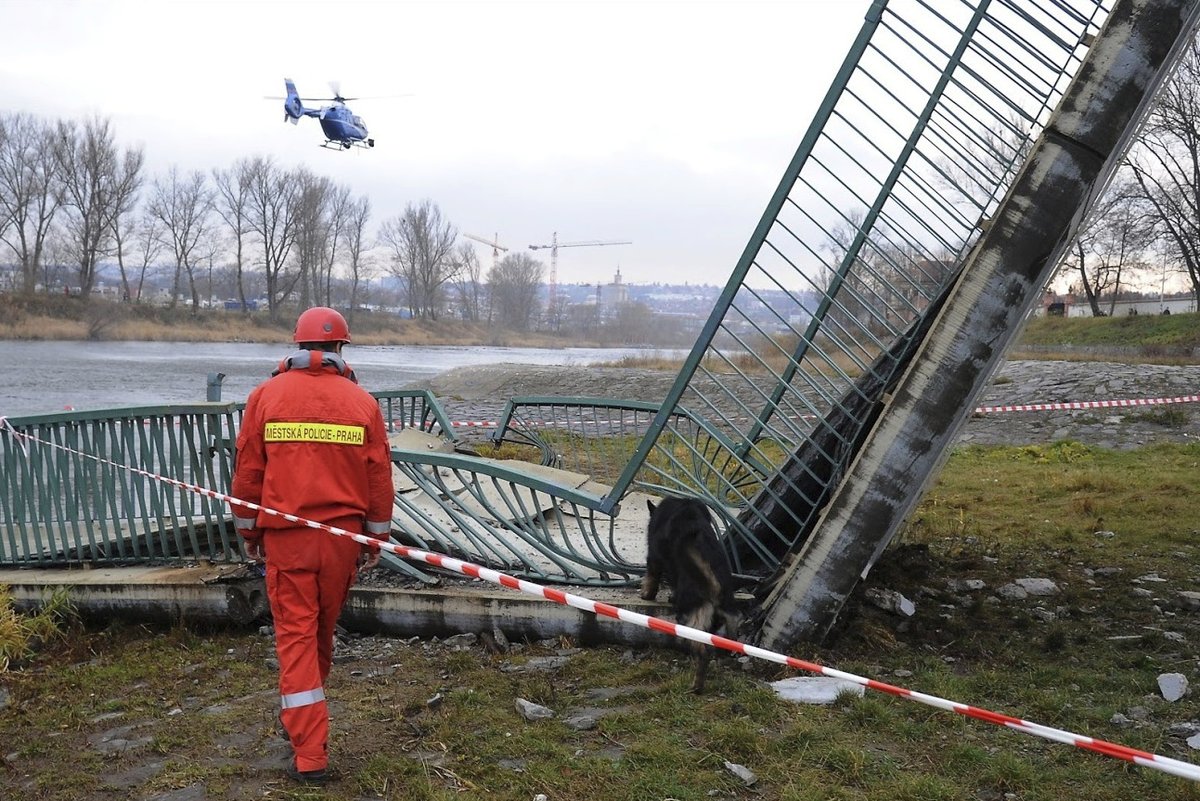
(945, 173)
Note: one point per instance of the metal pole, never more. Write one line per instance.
(214, 387)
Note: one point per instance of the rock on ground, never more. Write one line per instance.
(480, 393)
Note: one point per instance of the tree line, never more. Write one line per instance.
(1145, 228)
(70, 195)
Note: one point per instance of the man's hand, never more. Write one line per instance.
(255, 550)
(367, 559)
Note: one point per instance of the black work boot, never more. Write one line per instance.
(307, 777)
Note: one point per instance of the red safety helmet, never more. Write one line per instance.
(321, 324)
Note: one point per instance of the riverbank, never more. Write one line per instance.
(67, 319)
(478, 393)
(1161, 339)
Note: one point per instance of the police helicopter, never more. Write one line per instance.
(343, 128)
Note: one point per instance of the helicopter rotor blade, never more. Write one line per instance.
(337, 97)
(310, 99)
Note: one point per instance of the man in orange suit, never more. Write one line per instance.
(313, 444)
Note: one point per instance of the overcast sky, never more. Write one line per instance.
(665, 123)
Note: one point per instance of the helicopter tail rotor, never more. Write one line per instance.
(293, 107)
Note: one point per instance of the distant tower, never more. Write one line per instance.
(616, 294)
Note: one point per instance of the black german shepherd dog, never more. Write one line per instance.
(682, 550)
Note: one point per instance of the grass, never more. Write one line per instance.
(22, 634)
(202, 705)
(1151, 332)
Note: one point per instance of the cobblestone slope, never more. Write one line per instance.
(479, 394)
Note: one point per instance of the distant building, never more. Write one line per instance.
(613, 296)
(1071, 305)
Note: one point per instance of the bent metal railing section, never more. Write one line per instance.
(911, 150)
(66, 498)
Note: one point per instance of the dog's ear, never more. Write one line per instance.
(650, 505)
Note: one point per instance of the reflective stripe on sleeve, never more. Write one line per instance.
(243, 523)
(306, 698)
(379, 528)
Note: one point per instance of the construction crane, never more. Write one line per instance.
(495, 243)
(554, 246)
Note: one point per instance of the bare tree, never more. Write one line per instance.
(514, 285)
(319, 237)
(312, 235)
(849, 284)
(184, 207)
(633, 323)
(98, 182)
(56, 258)
(468, 283)
(127, 219)
(337, 208)
(422, 244)
(975, 167)
(144, 240)
(29, 191)
(556, 311)
(357, 213)
(272, 215)
(125, 241)
(1111, 243)
(1165, 161)
(231, 202)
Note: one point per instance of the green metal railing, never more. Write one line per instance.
(67, 496)
(60, 505)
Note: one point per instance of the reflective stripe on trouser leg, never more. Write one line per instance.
(293, 700)
(294, 597)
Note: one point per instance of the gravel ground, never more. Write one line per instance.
(479, 394)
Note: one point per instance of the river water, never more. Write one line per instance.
(53, 376)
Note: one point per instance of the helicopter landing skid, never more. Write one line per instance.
(335, 144)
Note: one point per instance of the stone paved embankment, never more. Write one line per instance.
(479, 394)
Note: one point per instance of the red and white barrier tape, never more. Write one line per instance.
(1018, 407)
(1103, 404)
(1165, 764)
